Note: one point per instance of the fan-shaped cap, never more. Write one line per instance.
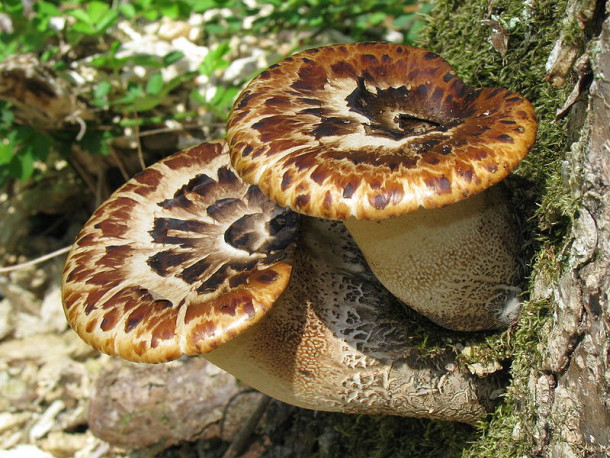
(179, 260)
(374, 130)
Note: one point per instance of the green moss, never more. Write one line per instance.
(396, 438)
(458, 32)
(380, 436)
(459, 35)
(573, 33)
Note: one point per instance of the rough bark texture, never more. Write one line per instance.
(573, 394)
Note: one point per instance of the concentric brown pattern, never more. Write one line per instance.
(181, 259)
(374, 130)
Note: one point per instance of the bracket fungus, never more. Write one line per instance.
(389, 139)
(177, 261)
(186, 258)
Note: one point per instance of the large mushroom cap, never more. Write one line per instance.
(374, 130)
(179, 260)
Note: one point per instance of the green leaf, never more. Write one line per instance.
(147, 60)
(403, 20)
(170, 10)
(134, 92)
(116, 63)
(96, 11)
(145, 4)
(149, 101)
(154, 85)
(200, 6)
(221, 102)
(235, 24)
(47, 9)
(212, 28)
(108, 61)
(130, 122)
(102, 89)
(198, 96)
(14, 135)
(100, 94)
(114, 47)
(214, 59)
(107, 20)
(95, 20)
(79, 15)
(21, 148)
(96, 141)
(6, 116)
(127, 10)
(49, 54)
(150, 15)
(6, 152)
(172, 57)
(22, 166)
(83, 28)
(377, 18)
(228, 98)
(41, 144)
(12, 7)
(10, 49)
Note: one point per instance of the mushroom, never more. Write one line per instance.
(389, 139)
(187, 259)
(179, 260)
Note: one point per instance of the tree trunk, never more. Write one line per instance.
(571, 390)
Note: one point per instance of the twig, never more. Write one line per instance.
(139, 144)
(119, 163)
(241, 439)
(163, 130)
(99, 191)
(80, 171)
(36, 260)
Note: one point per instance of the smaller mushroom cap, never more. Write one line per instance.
(374, 130)
(179, 260)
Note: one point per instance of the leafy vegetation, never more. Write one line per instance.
(73, 35)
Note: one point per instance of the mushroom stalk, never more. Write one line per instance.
(336, 341)
(457, 265)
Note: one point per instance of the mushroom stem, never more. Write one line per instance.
(456, 265)
(336, 341)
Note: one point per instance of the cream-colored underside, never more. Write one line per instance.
(456, 265)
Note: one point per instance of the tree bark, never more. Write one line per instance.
(572, 391)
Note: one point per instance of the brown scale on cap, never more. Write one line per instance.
(179, 260)
(374, 130)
